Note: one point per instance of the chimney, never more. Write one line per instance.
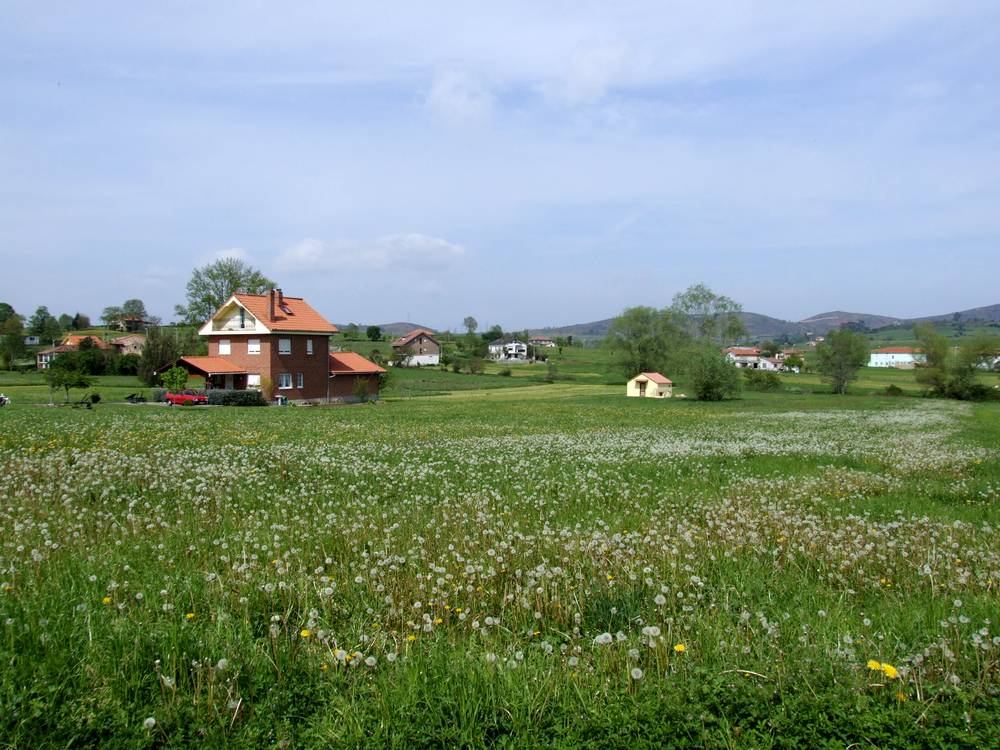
(281, 300)
(270, 307)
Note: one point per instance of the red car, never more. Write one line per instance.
(186, 397)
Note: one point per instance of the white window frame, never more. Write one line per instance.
(284, 377)
(225, 347)
(299, 380)
(284, 346)
(253, 346)
(309, 346)
(253, 381)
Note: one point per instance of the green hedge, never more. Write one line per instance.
(236, 398)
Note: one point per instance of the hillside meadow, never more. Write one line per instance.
(546, 565)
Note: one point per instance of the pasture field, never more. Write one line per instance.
(553, 565)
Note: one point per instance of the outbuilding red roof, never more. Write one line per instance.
(297, 314)
(351, 363)
(76, 339)
(657, 378)
(743, 351)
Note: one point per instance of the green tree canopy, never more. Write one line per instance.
(11, 341)
(840, 356)
(710, 374)
(212, 284)
(44, 325)
(710, 316)
(6, 312)
(374, 333)
(470, 323)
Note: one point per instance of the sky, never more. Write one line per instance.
(528, 163)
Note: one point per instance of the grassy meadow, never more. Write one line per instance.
(545, 565)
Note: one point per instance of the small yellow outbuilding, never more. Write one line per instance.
(649, 385)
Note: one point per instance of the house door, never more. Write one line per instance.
(642, 387)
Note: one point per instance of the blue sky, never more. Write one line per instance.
(530, 164)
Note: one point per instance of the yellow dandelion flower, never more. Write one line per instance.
(305, 632)
(890, 671)
(680, 648)
(324, 666)
(901, 696)
(611, 577)
(458, 609)
(189, 616)
(874, 666)
(106, 600)
(411, 637)
(438, 620)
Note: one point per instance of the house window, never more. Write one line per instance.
(253, 381)
(243, 318)
(253, 346)
(224, 347)
(300, 381)
(309, 346)
(285, 347)
(284, 380)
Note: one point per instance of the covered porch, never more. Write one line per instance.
(219, 372)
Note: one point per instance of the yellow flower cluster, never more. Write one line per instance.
(884, 667)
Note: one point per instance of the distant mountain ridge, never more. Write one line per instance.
(817, 325)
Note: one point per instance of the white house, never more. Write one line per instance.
(31, 341)
(902, 357)
(649, 385)
(508, 350)
(540, 340)
(418, 347)
(750, 358)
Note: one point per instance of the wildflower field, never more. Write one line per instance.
(570, 569)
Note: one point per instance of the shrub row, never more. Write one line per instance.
(236, 398)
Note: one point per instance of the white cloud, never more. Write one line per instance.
(413, 252)
(456, 95)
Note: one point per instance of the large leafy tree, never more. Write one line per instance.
(212, 284)
(711, 375)
(470, 324)
(644, 339)
(44, 325)
(955, 373)
(840, 356)
(11, 341)
(165, 346)
(134, 308)
(711, 317)
(6, 312)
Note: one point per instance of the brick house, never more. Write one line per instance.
(71, 343)
(256, 340)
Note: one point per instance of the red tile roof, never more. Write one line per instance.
(405, 340)
(743, 351)
(898, 350)
(350, 363)
(76, 339)
(212, 365)
(656, 378)
(297, 315)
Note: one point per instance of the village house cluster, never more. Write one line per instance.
(132, 343)
(752, 358)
